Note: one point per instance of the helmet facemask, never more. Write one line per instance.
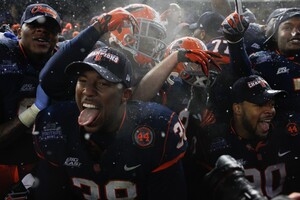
(147, 45)
(149, 42)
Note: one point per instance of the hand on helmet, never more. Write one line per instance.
(117, 18)
(234, 27)
(201, 57)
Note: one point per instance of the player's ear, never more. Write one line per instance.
(202, 34)
(127, 94)
(236, 108)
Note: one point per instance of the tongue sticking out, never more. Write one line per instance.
(87, 116)
(265, 126)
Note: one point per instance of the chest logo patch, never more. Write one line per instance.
(143, 136)
(72, 162)
(282, 70)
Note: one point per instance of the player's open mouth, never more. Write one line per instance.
(41, 40)
(265, 125)
(88, 115)
(295, 40)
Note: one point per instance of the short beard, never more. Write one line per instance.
(247, 126)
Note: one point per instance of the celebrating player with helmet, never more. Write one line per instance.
(146, 45)
(145, 48)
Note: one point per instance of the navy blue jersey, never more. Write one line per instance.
(18, 80)
(220, 45)
(140, 161)
(219, 91)
(254, 37)
(281, 73)
(272, 166)
(253, 40)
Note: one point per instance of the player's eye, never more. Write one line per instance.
(287, 28)
(103, 84)
(82, 79)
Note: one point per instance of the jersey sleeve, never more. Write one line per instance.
(160, 137)
(174, 144)
(54, 81)
(167, 179)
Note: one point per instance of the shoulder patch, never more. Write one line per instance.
(218, 144)
(143, 136)
(260, 57)
(292, 128)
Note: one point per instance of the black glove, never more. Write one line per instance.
(234, 27)
(227, 182)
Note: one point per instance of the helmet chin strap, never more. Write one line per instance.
(184, 115)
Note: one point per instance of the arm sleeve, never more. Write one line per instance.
(167, 181)
(239, 59)
(54, 82)
(173, 146)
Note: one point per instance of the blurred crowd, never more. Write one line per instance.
(76, 14)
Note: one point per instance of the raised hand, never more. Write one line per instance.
(200, 57)
(234, 27)
(117, 18)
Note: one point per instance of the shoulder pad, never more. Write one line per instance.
(8, 39)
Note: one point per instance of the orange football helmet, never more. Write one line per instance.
(146, 46)
(190, 72)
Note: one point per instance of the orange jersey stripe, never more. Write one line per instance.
(169, 163)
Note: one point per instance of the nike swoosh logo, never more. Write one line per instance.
(283, 154)
(126, 168)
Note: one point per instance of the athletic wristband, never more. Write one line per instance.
(28, 116)
(231, 42)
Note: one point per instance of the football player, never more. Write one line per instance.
(268, 155)
(112, 148)
(39, 38)
(20, 96)
(145, 48)
(279, 65)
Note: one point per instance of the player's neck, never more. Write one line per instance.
(119, 119)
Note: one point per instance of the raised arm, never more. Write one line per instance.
(155, 78)
(53, 80)
(234, 27)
